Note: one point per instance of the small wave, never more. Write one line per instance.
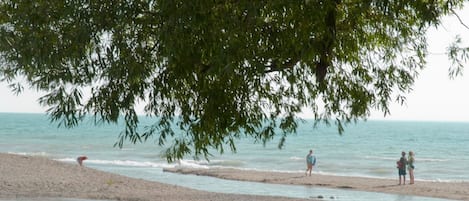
(230, 163)
(382, 158)
(210, 164)
(127, 149)
(30, 153)
(443, 180)
(397, 158)
(296, 158)
(122, 163)
(431, 160)
(193, 164)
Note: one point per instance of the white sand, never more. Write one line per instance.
(33, 177)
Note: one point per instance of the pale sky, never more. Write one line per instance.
(435, 96)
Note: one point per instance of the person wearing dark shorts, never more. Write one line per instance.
(401, 166)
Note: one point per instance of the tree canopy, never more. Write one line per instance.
(211, 72)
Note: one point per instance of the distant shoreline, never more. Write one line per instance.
(23, 177)
(445, 190)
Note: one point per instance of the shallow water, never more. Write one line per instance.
(367, 149)
(254, 188)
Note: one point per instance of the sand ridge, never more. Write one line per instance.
(32, 177)
(448, 190)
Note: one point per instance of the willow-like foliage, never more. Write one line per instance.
(212, 71)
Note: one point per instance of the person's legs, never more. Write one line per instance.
(309, 169)
(399, 175)
(413, 181)
(411, 176)
(80, 160)
(402, 174)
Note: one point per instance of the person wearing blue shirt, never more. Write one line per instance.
(310, 162)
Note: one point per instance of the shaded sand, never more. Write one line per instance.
(448, 190)
(33, 177)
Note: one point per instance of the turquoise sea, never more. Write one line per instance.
(366, 149)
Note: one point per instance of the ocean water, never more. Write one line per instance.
(367, 149)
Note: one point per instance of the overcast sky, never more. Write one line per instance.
(435, 97)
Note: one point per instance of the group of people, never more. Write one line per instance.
(404, 162)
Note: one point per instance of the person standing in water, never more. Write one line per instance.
(401, 163)
(410, 167)
(310, 162)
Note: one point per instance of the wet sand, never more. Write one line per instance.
(33, 177)
(23, 177)
(447, 190)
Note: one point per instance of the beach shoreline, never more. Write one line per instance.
(445, 190)
(27, 177)
(34, 176)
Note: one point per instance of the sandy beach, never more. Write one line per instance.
(33, 177)
(447, 190)
(23, 177)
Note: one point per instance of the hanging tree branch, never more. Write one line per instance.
(459, 18)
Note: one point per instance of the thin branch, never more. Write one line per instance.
(459, 18)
